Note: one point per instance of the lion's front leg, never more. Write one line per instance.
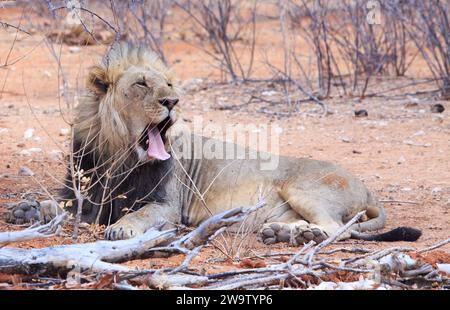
(137, 223)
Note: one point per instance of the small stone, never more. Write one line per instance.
(401, 160)
(437, 108)
(47, 74)
(4, 130)
(345, 139)
(361, 113)
(436, 190)
(25, 172)
(64, 132)
(74, 49)
(28, 134)
(269, 93)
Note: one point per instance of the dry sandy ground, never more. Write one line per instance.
(401, 150)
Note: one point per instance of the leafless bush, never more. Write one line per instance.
(431, 34)
(310, 19)
(398, 16)
(349, 48)
(224, 23)
(143, 21)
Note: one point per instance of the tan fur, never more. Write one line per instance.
(306, 199)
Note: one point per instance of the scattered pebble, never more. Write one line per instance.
(419, 133)
(64, 132)
(401, 160)
(47, 74)
(74, 49)
(25, 172)
(28, 134)
(4, 130)
(50, 111)
(269, 93)
(345, 139)
(436, 190)
(361, 113)
(437, 108)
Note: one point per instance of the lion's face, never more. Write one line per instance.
(134, 102)
(149, 107)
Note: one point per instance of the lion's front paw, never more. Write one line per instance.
(24, 212)
(293, 234)
(122, 230)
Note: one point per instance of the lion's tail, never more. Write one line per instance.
(377, 220)
(397, 234)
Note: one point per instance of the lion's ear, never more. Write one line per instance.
(97, 80)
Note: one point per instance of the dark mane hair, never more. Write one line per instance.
(127, 187)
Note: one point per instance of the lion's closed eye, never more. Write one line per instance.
(142, 83)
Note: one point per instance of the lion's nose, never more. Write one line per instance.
(169, 103)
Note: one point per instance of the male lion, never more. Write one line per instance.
(128, 159)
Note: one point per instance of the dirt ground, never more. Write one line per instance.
(401, 150)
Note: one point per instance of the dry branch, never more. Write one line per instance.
(96, 256)
(34, 232)
(100, 256)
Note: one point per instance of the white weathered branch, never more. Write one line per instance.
(96, 256)
(209, 228)
(34, 232)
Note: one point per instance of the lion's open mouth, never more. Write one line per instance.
(153, 140)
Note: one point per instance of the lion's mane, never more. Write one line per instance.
(105, 167)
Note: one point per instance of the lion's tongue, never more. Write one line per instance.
(156, 147)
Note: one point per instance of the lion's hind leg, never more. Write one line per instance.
(320, 212)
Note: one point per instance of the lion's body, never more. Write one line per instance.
(126, 127)
(302, 196)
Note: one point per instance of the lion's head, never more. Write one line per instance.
(132, 102)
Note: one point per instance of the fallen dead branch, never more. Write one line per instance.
(392, 267)
(100, 256)
(96, 256)
(34, 232)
